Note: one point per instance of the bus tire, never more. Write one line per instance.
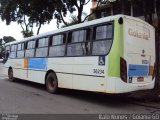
(10, 75)
(52, 83)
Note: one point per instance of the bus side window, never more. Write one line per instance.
(102, 39)
(7, 48)
(20, 50)
(42, 47)
(7, 51)
(58, 45)
(78, 43)
(30, 48)
(13, 51)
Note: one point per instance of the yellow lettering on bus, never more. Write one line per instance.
(138, 34)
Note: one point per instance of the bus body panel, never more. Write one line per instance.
(99, 73)
(111, 85)
(78, 73)
(130, 48)
(139, 50)
(89, 71)
(19, 71)
(117, 51)
(120, 85)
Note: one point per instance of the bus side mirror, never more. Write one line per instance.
(5, 58)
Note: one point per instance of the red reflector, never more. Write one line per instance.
(123, 69)
(140, 79)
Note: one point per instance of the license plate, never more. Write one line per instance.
(140, 79)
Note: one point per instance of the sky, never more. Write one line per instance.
(14, 29)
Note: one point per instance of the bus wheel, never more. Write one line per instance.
(10, 75)
(52, 83)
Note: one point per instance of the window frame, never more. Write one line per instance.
(21, 46)
(64, 39)
(51, 42)
(15, 48)
(94, 36)
(20, 50)
(86, 30)
(94, 32)
(37, 42)
(41, 47)
(74, 30)
(16, 44)
(26, 46)
(88, 40)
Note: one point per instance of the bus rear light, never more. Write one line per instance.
(151, 70)
(140, 79)
(123, 69)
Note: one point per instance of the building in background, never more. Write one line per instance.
(148, 10)
(137, 8)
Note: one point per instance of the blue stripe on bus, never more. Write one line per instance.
(37, 63)
(138, 70)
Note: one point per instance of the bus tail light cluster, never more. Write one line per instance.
(152, 71)
(123, 69)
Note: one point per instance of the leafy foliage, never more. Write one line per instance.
(6, 39)
(73, 20)
(30, 12)
(27, 12)
(70, 6)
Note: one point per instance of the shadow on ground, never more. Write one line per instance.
(92, 97)
(113, 100)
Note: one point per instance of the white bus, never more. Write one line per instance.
(114, 54)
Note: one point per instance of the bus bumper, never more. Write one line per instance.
(116, 85)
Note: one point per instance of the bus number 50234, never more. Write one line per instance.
(98, 71)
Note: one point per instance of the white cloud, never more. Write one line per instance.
(10, 30)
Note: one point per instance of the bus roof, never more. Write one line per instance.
(81, 25)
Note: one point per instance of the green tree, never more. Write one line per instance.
(27, 13)
(13, 10)
(40, 12)
(73, 20)
(6, 39)
(70, 6)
